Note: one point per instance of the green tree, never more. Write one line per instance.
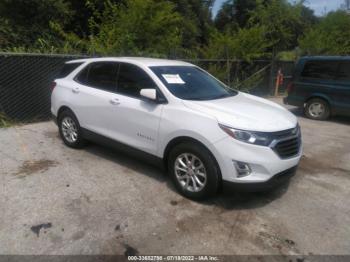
(23, 22)
(137, 27)
(226, 16)
(246, 44)
(197, 21)
(83, 11)
(282, 21)
(330, 37)
(234, 13)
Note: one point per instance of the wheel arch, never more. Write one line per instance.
(183, 139)
(319, 96)
(64, 108)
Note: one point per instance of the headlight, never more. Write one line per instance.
(251, 137)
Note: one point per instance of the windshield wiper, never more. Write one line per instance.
(209, 97)
(221, 96)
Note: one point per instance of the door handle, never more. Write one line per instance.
(114, 101)
(75, 90)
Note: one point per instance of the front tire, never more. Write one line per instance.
(317, 109)
(70, 130)
(194, 171)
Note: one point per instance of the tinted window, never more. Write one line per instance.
(82, 77)
(191, 83)
(131, 79)
(101, 75)
(67, 69)
(320, 69)
(344, 71)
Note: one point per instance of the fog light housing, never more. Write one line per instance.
(243, 169)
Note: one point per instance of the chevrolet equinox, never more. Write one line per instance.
(206, 134)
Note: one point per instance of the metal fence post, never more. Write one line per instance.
(272, 69)
(228, 72)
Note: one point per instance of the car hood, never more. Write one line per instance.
(246, 112)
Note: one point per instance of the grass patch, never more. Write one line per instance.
(5, 121)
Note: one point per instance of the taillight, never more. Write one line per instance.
(53, 85)
(290, 87)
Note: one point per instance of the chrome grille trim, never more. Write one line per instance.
(287, 146)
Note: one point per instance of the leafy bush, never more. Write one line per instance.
(330, 37)
(4, 121)
(246, 44)
(137, 27)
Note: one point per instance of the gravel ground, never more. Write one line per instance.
(56, 200)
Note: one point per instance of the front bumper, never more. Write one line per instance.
(263, 161)
(274, 182)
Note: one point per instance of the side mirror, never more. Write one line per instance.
(149, 93)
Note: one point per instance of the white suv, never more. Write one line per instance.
(206, 134)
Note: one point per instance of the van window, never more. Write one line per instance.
(102, 75)
(67, 69)
(320, 69)
(344, 71)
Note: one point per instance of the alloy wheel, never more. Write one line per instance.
(69, 129)
(190, 172)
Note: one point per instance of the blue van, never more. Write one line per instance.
(321, 86)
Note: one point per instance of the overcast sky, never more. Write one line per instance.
(317, 5)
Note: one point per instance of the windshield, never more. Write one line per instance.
(191, 83)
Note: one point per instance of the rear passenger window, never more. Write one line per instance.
(320, 69)
(67, 69)
(344, 71)
(102, 75)
(131, 79)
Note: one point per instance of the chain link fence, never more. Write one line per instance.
(24, 85)
(257, 77)
(25, 80)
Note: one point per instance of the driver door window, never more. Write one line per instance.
(131, 79)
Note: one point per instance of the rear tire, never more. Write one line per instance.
(194, 171)
(70, 130)
(317, 109)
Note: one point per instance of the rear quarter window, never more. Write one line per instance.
(67, 69)
(344, 71)
(320, 69)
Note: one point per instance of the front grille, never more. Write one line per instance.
(288, 148)
(285, 133)
(288, 144)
